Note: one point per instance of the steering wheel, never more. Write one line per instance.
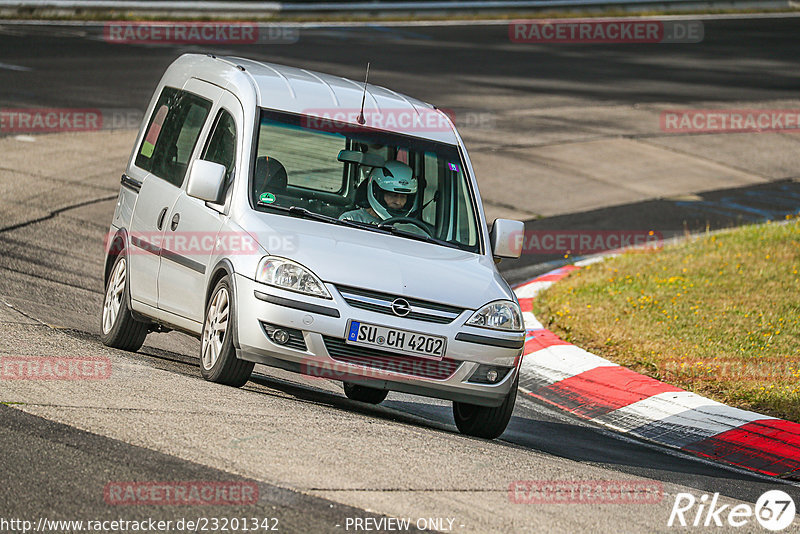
(427, 228)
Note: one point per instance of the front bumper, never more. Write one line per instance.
(317, 346)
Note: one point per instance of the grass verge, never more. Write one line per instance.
(718, 315)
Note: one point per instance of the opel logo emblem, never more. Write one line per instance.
(401, 307)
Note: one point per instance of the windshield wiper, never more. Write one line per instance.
(308, 214)
(382, 228)
(419, 237)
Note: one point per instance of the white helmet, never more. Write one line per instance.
(393, 177)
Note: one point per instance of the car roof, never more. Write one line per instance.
(307, 92)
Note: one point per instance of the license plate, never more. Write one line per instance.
(396, 340)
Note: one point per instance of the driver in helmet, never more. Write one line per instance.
(390, 192)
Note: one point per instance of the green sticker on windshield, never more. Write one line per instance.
(266, 198)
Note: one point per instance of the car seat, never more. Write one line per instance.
(270, 176)
(361, 200)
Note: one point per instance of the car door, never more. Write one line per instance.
(196, 223)
(163, 156)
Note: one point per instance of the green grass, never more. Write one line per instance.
(718, 315)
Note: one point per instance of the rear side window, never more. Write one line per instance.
(172, 134)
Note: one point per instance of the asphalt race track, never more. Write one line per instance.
(318, 459)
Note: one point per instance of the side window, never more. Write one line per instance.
(221, 147)
(172, 134)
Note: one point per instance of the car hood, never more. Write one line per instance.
(386, 263)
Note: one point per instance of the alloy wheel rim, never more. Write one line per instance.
(215, 327)
(114, 295)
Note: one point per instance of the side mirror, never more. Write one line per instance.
(361, 158)
(507, 237)
(206, 179)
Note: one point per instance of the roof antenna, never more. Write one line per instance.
(361, 119)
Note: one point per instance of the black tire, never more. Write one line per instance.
(227, 368)
(483, 421)
(126, 333)
(364, 393)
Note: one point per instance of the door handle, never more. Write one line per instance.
(160, 222)
(175, 220)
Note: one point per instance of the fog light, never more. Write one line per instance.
(489, 374)
(281, 337)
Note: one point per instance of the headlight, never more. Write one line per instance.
(498, 315)
(286, 274)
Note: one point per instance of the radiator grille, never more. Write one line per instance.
(421, 310)
(388, 361)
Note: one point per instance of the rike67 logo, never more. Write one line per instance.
(774, 510)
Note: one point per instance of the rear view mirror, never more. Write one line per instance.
(361, 158)
(205, 180)
(507, 237)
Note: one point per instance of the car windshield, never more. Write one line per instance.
(377, 180)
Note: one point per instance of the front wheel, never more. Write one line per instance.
(364, 393)
(119, 329)
(217, 354)
(483, 421)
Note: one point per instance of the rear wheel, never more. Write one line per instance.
(218, 361)
(119, 329)
(364, 393)
(483, 421)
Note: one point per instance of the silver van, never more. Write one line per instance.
(319, 225)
